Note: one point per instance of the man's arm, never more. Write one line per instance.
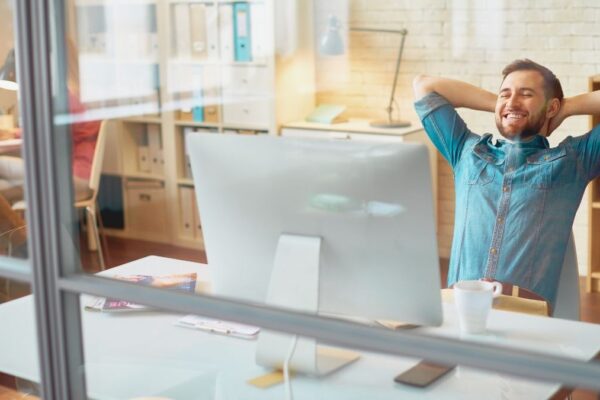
(584, 104)
(458, 93)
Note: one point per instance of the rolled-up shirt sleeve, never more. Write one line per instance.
(588, 149)
(444, 126)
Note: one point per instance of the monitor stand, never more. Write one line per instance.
(295, 285)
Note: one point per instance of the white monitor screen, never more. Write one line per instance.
(369, 203)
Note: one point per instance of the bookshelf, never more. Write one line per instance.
(186, 74)
(593, 273)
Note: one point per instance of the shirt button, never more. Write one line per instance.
(505, 188)
(493, 250)
(499, 220)
(546, 158)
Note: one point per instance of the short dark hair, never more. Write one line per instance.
(552, 86)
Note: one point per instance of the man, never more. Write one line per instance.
(516, 198)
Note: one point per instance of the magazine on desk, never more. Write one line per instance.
(184, 282)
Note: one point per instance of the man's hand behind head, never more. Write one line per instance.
(558, 118)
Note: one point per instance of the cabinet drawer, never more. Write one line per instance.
(246, 80)
(145, 199)
(254, 113)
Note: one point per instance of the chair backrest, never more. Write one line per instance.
(567, 298)
(98, 158)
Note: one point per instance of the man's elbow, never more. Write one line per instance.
(422, 85)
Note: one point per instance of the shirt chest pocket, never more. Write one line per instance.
(481, 173)
(549, 169)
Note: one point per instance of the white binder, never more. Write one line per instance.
(212, 31)
(186, 222)
(198, 31)
(226, 32)
(181, 24)
(155, 149)
(258, 26)
(196, 215)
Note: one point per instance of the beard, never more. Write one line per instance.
(532, 128)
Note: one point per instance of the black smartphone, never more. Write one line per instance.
(423, 374)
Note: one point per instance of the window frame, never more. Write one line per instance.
(54, 272)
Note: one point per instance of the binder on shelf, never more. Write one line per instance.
(153, 37)
(181, 23)
(155, 149)
(198, 31)
(186, 222)
(196, 216)
(144, 164)
(212, 31)
(198, 114)
(143, 150)
(258, 33)
(197, 83)
(226, 32)
(241, 31)
(187, 167)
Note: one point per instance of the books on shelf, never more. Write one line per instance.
(227, 32)
(185, 282)
(155, 149)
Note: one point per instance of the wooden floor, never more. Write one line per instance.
(121, 251)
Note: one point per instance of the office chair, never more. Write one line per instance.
(567, 304)
(90, 204)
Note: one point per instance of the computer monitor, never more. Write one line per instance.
(328, 226)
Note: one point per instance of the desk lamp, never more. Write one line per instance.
(332, 44)
(8, 74)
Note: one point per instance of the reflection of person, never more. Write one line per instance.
(516, 197)
(84, 136)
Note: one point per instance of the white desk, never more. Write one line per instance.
(10, 145)
(144, 354)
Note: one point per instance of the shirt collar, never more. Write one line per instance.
(535, 142)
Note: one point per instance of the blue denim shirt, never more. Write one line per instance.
(515, 202)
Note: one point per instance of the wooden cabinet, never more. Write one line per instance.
(593, 273)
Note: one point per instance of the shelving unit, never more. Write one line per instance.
(178, 69)
(593, 273)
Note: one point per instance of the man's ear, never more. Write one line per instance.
(553, 107)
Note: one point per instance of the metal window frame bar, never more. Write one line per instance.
(51, 253)
(517, 362)
(58, 282)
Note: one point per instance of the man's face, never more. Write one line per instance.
(521, 105)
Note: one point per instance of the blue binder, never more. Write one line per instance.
(241, 31)
(198, 107)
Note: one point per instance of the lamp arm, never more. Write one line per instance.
(402, 32)
(391, 103)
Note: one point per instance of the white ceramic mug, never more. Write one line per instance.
(473, 301)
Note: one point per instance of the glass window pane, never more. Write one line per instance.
(12, 169)
(179, 356)
(152, 84)
(19, 362)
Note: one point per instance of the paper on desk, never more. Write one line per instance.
(95, 304)
(218, 326)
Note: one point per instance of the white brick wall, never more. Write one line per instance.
(470, 40)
